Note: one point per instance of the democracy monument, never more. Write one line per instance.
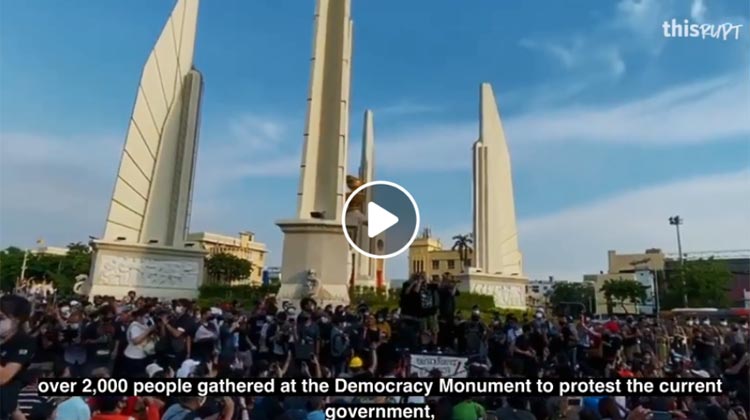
(497, 269)
(144, 246)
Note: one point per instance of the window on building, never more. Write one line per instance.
(435, 264)
(451, 264)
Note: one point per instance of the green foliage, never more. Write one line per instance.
(11, 260)
(566, 292)
(706, 282)
(374, 297)
(623, 290)
(61, 269)
(246, 295)
(224, 268)
(466, 301)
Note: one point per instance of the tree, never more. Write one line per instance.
(706, 282)
(223, 267)
(623, 290)
(11, 261)
(462, 243)
(567, 292)
(61, 269)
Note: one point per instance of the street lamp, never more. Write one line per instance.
(676, 221)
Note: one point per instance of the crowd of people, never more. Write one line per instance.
(137, 337)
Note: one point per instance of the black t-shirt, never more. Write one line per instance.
(610, 345)
(104, 334)
(410, 303)
(704, 348)
(121, 336)
(474, 332)
(537, 342)
(18, 349)
(325, 330)
(48, 347)
(447, 301)
(429, 299)
(184, 323)
(243, 344)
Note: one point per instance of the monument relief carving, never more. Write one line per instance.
(503, 294)
(145, 272)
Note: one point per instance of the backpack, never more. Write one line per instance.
(339, 344)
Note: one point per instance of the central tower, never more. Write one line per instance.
(314, 256)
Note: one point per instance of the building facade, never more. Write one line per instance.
(641, 267)
(538, 292)
(244, 247)
(657, 270)
(427, 255)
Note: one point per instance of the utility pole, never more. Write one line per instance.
(676, 221)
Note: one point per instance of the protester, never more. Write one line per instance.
(141, 337)
(16, 351)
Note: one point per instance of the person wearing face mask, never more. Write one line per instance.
(16, 351)
(140, 346)
(475, 333)
(75, 352)
(205, 337)
(179, 331)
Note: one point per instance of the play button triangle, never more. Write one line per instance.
(378, 219)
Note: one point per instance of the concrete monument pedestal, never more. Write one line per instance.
(151, 270)
(508, 292)
(314, 262)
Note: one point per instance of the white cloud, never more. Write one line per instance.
(254, 145)
(698, 11)
(580, 56)
(709, 110)
(56, 188)
(567, 55)
(706, 111)
(254, 133)
(439, 147)
(405, 107)
(573, 242)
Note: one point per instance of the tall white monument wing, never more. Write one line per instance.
(366, 266)
(495, 231)
(151, 198)
(324, 155)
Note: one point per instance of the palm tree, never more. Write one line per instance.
(462, 243)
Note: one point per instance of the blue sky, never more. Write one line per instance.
(612, 127)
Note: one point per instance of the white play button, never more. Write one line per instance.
(378, 219)
(374, 231)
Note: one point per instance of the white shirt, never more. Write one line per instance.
(134, 351)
